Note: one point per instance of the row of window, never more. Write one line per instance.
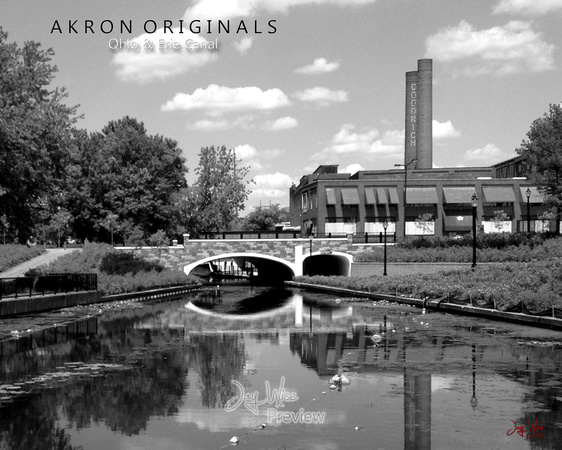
(494, 196)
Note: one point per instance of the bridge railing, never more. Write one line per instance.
(367, 238)
(47, 284)
(268, 234)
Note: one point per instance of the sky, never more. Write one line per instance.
(294, 84)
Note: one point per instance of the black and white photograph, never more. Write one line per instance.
(280, 224)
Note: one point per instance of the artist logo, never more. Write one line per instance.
(274, 400)
(534, 431)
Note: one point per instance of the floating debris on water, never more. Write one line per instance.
(71, 370)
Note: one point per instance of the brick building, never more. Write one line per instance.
(438, 201)
(418, 199)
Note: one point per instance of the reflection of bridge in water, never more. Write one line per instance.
(305, 316)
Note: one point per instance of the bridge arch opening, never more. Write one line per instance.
(268, 269)
(327, 264)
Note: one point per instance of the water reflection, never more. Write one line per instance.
(417, 381)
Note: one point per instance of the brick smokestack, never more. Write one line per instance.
(424, 133)
(410, 140)
(418, 142)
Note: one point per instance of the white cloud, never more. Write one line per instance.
(528, 7)
(210, 125)
(369, 142)
(320, 65)
(245, 122)
(486, 156)
(216, 100)
(249, 156)
(245, 152)
(502, 50)
(276, 180)
(283, 123)
(224, 9)
(353, 168)
(244, 45)
(321, 96)
(270, 188)
(142, 65)
(442, 130)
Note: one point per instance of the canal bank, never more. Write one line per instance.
(441, 305)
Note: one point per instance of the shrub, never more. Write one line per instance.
(122, 272)
(117, 284)
(134, 237)
(158, 239)
(121, 263)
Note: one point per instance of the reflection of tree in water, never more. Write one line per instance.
(126, 401)
(219, 359)
(541, 370)
(35, 428)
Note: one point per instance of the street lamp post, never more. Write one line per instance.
(474, 201)
(385, 226)
(405, 191)
(528, 194)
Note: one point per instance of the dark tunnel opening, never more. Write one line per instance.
(326, 265)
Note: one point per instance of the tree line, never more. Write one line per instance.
(116, 185)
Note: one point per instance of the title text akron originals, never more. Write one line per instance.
(168, 26)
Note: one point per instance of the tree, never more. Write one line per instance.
(265, 218)
(543, 151)
(219, 192)
(35, 134)
(124, 181)
(499, 220)
(426, 224)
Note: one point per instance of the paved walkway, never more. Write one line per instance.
(50, 255)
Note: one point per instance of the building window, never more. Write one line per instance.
(313, 200)
(340, 225)
(305, 205)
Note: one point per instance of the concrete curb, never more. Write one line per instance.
(441, 306)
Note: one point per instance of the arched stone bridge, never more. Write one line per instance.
(273, 258)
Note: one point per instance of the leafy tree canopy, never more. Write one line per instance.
(543, 150)
(125, 181)
(35, 135)
(265, 218)
(219, 192)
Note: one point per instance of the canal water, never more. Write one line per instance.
(271, 368)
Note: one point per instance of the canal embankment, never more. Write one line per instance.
(37, 304)
(440, 305)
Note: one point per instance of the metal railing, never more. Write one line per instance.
(369, 238)
(266, 234)
(374, 238)
(47, 284)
